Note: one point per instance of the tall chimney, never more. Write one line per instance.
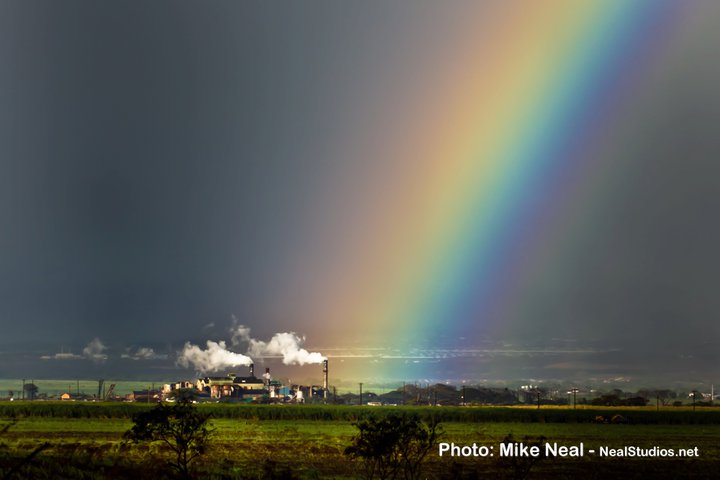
(325, 379)
(252, 369)
(267, 376)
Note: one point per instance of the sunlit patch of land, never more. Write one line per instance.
(86, 439)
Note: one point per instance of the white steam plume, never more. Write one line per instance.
(215, 357)
(285, 344)
(62, 356)
(288, 345)
(240, 333)
(144, 353)
(94, 350)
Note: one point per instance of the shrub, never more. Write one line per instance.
(394, 446)
(180, 427)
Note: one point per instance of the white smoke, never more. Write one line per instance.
(215, 357)
(240, 333)
(62, 356)
(144, 353)
(94, 350)
(288, 345)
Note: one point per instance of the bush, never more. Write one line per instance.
(180, 427)
(394, 446)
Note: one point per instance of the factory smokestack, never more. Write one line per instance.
(325, 379)
(266, 376)
(252, 369)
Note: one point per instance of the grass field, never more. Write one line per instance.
(85, 387)
(251, 447)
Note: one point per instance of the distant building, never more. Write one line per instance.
(144, 396)
(168, 388)
(232, 386)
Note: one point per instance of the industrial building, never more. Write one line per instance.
(249, 388)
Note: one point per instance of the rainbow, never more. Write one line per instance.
(492, 160)
(548, 118)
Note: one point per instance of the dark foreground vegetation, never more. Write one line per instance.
(585, 414)
(90, 440)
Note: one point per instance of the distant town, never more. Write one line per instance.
(250, 388)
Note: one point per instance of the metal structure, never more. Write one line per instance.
(325, 379)
(110, 391)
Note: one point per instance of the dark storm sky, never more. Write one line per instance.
(155, 158)
(160, 163)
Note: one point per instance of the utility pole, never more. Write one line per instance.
(361, 393)
(462, 398)
(574, 392)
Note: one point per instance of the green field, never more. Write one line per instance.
(253, 445)
(85, 387)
